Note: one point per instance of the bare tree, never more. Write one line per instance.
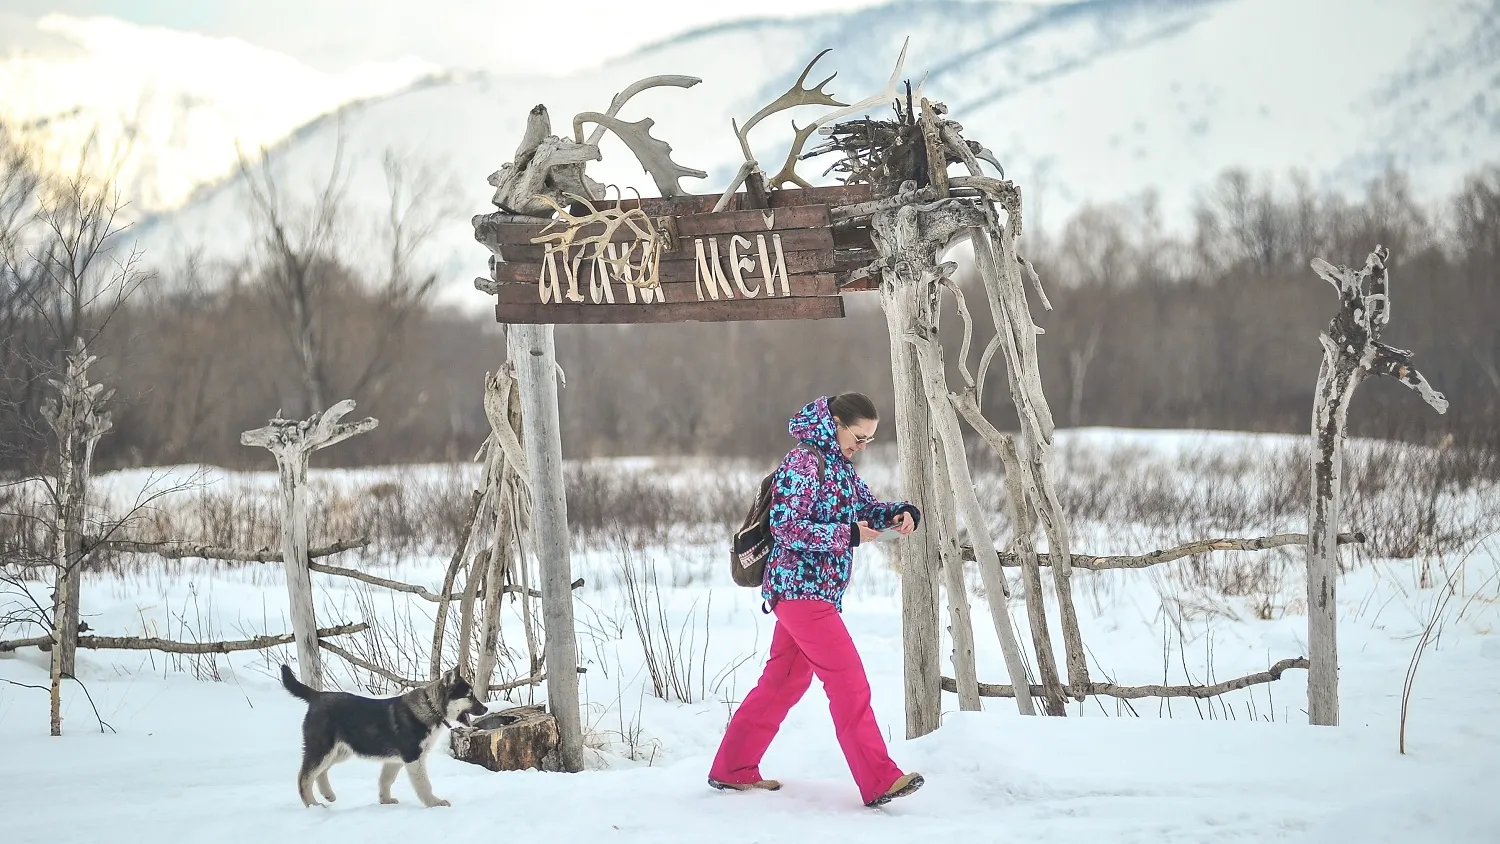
(298, 247)
(302, 263)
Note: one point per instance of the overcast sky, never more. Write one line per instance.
(510, 35)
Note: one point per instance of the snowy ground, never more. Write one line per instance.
(207, 750)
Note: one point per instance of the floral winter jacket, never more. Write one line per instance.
(812, 525)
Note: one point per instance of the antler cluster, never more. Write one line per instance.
(642, 273)
(799, 95)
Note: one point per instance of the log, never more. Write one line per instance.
(135, 643)
(533, 354)
(1200, 546)
(1133, 692)
(813, 307)
(176, 550)
(516, 739)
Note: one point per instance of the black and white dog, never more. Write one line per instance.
(395, 730)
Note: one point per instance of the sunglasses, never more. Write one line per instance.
(860, 438)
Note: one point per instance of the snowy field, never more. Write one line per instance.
(206, 748)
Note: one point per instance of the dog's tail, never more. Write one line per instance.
(295, 686)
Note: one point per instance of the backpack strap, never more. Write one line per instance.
(818, 454)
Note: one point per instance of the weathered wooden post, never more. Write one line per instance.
(78, 420)
(534, 356)
(1351, 351)
(292, 444)
(921, 663)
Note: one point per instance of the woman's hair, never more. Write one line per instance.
(852, 408)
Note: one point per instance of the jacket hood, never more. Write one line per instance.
(814, 424)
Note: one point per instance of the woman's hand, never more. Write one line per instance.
(867, 533)
(903, 524)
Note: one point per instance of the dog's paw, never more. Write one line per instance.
(389, 801)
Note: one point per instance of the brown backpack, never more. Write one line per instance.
(753, 541)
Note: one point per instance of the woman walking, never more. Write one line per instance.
(821, 511)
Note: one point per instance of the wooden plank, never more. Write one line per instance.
(492, 232)
(832, 195)
(858, 238)
(812, 284)
(753, 222)
(797, 263)
(815, 307)
(792, 240)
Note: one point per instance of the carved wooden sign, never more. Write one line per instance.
(675, 260)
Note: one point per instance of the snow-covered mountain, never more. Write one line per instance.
(1090, 101)
(168, 107)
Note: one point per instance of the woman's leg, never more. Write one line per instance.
(824, 641)
(783, 682)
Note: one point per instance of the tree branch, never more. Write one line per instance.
(132, 643)
(174, 550)
(369, 666)
(1201, 546)
(1131, 692)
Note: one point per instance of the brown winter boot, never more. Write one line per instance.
(766, 785)
(900, 788)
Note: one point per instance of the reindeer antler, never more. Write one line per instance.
(654, 154)
(788, 171)
(624, 96)
(795, 96)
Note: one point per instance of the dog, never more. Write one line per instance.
(397, 731)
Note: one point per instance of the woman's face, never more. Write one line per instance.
(854, 437)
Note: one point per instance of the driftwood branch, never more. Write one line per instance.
(180, 550)
(1351, 351)
(134, 643)
(1132, 692)
(370, 666)
(1201, 546)
(413, 589)
(535, 679)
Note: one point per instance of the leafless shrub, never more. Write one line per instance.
(669, 656)
(606, 500)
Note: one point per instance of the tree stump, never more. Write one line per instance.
(514, 739)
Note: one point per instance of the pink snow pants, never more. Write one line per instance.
(810, 638)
